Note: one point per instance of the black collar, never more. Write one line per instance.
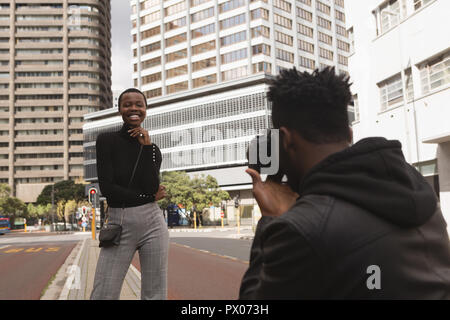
(124, 132)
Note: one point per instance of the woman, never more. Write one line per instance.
(143, 225)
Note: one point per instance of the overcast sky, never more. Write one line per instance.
(121, 45)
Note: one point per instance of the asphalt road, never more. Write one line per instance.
(29, 261)
(203, 268)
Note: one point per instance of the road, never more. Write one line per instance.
(205, 266)
(29, 261)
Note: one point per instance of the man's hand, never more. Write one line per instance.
(273, 198)
(161, 194)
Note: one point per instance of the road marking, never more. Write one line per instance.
(4, 247)
(211, 253)
(30, 250)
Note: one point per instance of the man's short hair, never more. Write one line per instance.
(314, 104)
(133, 90)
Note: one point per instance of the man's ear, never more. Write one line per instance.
(286, 138)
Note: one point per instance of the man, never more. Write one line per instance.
(354, 222)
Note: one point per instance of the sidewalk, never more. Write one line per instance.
(75, 279)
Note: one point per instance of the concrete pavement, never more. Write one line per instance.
(75, 278)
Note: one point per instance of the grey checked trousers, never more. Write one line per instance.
(143, 229)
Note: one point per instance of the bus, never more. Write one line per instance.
(5, 227)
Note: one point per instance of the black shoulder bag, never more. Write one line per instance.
(110, 233)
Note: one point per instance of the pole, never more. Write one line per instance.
(93, 222)
(195, 220)
(239, 219)
(53, 206)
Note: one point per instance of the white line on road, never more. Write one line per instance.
(4, 247)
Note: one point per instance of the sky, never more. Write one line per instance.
(121, 45)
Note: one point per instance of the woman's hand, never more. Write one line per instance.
(161, 194)
(141, 134)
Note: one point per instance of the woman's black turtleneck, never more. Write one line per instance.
(116, 156)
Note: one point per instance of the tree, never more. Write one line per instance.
(200, 191)
(12, 207)
(5, 190)
(70, 208)
(64, 190)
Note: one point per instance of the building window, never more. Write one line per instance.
(234, 56)
(388, 19)
(284, 55)
(343, 60)
(284, 38)
(234, 73)
(326, 54)
(150, 63)
(204, 47)
(233, 21)
(305, 46)
(304, 14)
(282, 21)
(304, 30)
(391, 92)
(203, 81)
(307, 63)
(173, 9)
(202, 15)
(283, 5)
(325, 38)
(261, 49)
(233, 38)
(262, 67)
(261, 31)
(178, 71)
(177, 55)
(203, 64)
(172, 41)
(324, 23)
(323, 8)
(356, 107)
(230, 5)
(203, 31)
(435, 73)
(150, 32)
(175, 24)
(259, 13)
(181, 86)
(420, 3)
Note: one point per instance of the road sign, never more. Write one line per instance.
(222, 215)
(83, 219)
(84, 224)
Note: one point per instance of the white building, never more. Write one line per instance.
(398, 47)
(182, 45)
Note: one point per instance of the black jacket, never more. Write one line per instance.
(362, 207)
(116, 156)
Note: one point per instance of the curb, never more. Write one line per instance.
(55, 288)
(66, 289)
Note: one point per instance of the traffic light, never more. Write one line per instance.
(84, 211)
(92, 196)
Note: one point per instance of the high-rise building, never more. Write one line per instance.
(400, 69)
(184, 45)
(204, 67)
(55, 66)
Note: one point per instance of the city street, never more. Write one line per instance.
(205, 265)
(29, 261)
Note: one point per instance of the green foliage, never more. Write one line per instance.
(200, 191)
(64, 190)
(12, 207)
